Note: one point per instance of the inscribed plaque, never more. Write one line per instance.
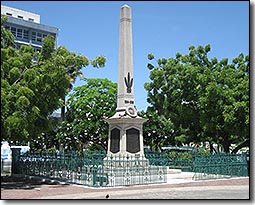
(133, 141)
(115, 140)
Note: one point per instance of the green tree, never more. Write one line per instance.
(7, 39)
(227, 103)
(88, 106)
(30, 92)
(157, 131)
(73, 64)
(207, 99)
(33, 84)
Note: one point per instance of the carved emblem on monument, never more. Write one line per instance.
(131, 111)
(129, 83)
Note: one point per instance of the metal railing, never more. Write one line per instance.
(220, 165)
(92, 168)
(98, 169)
(173, 162)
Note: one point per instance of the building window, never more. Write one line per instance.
(25, 34)
(33, 35)
(13, 30)
(30, 19)
(39, 37)
(8, 14)
(19, 33)
(36, 36)
(20, 17)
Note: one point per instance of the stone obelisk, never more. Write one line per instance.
(125, 71)
(125, 127)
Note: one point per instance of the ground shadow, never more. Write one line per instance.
(14, 182)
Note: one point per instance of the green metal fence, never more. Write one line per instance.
(172, 161)
(220, 165)
(92, 168)
(98, 169)
(211, 166)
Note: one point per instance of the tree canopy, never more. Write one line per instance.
(7, 38)
(208, 98)
(33, 84)
(157, 130)
(88, 106)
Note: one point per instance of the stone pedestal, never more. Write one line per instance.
(125, 143)
(125, 136)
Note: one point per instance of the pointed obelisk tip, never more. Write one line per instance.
(127, 6)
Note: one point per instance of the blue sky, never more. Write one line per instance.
(162, 28)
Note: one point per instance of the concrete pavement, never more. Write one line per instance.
(203, 192)
(179, 186)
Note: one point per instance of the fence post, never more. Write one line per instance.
(247, 156)
(15, 159)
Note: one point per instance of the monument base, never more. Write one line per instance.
(123, 161)
(125, 136)
(123, 171)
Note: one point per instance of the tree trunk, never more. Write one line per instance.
(226, 145)
(63, 109)
(212, 148)
(243, 144)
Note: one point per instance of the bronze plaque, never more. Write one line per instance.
(133, 141)
(115, 140)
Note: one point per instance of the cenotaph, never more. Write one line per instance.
(125, 126)
(125, 162)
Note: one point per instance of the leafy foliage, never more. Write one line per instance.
(157, 131)
(207, 99)
(33, 85)
(30, 92)
(88, 105)
(7, 39)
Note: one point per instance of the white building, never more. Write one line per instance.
(26, 27)
(17, 13)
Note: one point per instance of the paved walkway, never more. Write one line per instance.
(201, 192)
(179, 186)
